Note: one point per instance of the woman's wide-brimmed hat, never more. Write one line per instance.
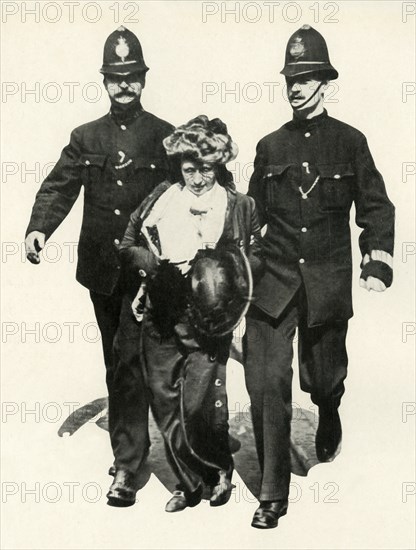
(203, 140)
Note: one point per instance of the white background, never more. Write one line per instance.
(372, 46)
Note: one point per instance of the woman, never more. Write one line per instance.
(187, 242)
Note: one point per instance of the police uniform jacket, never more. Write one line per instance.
(308, 239)
(118, 164)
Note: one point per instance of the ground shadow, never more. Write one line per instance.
(302, 444)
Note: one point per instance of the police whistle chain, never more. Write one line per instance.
(306, 193)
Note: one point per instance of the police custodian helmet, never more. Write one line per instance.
(307, 52)
(221, 290)
(215, 294)
(123, 53)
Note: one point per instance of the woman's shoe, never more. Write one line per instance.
(177, 503)
(181, 500)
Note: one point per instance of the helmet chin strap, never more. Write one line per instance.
(309, 98)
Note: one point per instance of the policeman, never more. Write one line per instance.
(118, 159)
(306, 176)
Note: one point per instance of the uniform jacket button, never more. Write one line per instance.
(142, 273)
(213, 358)
(218, 382)
(119, 182)
(305, 164)
(301, 261)
(304, 229)
(116, 241)
(152, 166)
(87, 162)
(123, 127)
(117, 212)
(218, 403)
(308, 134)
(337, 176)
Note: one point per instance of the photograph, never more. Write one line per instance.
(208, 275)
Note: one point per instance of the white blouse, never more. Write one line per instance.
(186, 222)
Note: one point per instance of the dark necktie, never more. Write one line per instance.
(197, 212)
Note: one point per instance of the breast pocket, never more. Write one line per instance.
(276, 179)
(92, 170)
(335, 186)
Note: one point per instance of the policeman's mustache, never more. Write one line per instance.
(126, 93)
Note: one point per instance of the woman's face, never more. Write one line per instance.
(198, 177)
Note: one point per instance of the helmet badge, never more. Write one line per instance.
(297, 48)
(122, 48)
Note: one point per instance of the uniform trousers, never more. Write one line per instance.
(186, 380)
(127, 399)
(268, 372)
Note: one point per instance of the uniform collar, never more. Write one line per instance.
(307, 123)
(125, 115)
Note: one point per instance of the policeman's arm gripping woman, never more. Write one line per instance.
(193, 245)
(306, 176)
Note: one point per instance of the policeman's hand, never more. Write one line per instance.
(34, 243)
(373, 284)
